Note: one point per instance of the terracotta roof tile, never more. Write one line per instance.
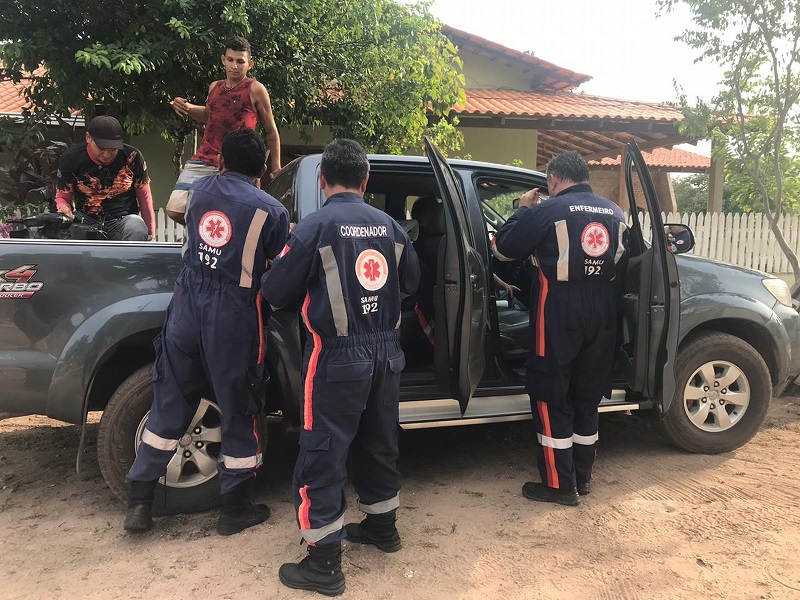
(555, 78)
(565, 105)
(11, 99)
(663, 158)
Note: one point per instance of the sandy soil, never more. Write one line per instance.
(659, 524)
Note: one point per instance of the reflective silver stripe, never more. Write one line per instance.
(250, 247)
(379, 507)
(620, 248)
(334, 284)
(158, 442)
(557, 443)
(312, 536)
(244, 462)
(584, 440)
(398, 254)
(562, 266)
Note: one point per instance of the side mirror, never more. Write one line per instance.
(680, 238)
(515, 203)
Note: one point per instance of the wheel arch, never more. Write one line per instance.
(745, 318)
(748, 331)
(117, 329)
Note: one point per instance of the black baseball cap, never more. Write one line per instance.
(106, 132)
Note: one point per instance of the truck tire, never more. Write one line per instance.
(722, 394)
(121, 425)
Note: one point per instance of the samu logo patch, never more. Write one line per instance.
(595, 239)
(215, 229)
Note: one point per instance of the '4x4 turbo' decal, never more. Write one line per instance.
(17, 282)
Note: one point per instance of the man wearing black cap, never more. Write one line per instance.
(107, 180)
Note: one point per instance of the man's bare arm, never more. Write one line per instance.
(196, 112)
(260, 100)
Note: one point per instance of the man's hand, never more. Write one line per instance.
(530, 198)
(506, 287)
(65, 210)
(180, 106)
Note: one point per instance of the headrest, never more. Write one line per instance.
(437, 224)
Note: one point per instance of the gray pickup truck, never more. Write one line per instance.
(705, 344)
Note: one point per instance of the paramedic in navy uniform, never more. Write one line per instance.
(575, 238)
(213, 334)
(348, 265)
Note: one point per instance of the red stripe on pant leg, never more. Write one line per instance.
(262, 346)
(258, 442)
(549, 453)
(423, 322)
(540, 346)
(305, 506)
(308, 389)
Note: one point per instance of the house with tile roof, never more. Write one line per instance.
(518, 108)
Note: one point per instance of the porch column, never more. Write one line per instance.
(716, 180)
(624, 203)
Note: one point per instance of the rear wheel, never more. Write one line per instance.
(722, 394)
(190, 484)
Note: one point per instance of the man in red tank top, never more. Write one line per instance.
(236, 102)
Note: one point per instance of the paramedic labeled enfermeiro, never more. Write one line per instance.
(575, 238)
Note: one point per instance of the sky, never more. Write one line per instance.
(629, 52)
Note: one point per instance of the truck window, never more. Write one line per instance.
(497, 199)
(282, 189)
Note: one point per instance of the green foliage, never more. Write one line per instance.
(691, 195)
(445, 135)
(368, 69)
(756, 117)
(33, 167)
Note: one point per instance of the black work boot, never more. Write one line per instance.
(320, 571)
(584, 489)
(542, 493)
(237, 511)
(378, 530)
(140, 506)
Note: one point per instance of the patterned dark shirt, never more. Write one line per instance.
(226, 110)
(106, 191)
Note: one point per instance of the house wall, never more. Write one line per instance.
(483, 73)
(500, 145)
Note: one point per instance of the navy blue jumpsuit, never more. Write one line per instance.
(213, 332)
(575, 238)
(348, 264)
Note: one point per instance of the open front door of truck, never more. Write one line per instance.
(461, 297)
(658, 317)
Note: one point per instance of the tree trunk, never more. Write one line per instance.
(177, 155)
(787, 250)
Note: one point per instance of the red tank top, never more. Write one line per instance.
(226, 110)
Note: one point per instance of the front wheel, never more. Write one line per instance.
(190, 484)
(722, 394)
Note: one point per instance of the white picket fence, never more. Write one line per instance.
(744, 240)
(167, 230)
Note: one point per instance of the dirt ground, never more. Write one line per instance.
(659, 524)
